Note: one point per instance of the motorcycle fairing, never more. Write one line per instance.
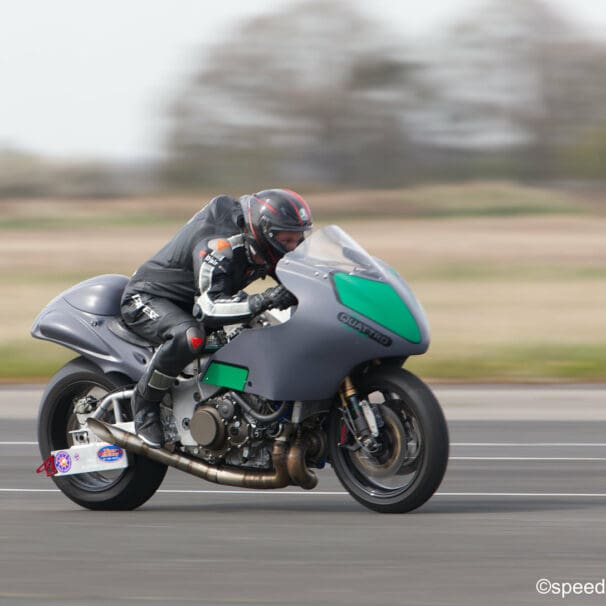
(306, 357)
(79, 319)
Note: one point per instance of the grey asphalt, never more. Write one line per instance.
(524, 498)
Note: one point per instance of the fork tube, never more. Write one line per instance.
(350, 400)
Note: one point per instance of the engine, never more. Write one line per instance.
(219, 431)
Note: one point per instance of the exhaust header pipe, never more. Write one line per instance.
(279, 478)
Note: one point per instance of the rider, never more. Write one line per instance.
(220, 250)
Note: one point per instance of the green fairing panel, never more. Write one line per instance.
(379, 302)
(226, 375)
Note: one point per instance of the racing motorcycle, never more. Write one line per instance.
(266, 403)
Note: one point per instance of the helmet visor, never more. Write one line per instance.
(285, 240)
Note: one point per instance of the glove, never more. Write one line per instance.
(282, 298)
(277, 297)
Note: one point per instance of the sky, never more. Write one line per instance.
(83, 78)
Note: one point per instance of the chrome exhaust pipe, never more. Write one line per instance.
(279, 478)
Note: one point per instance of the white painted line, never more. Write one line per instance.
(520, 494)
(29, 490)
(527, 458)
(456, 458)
(491, 444)
(343, 493)
(175, 491)
(258, 492)
(528, 444)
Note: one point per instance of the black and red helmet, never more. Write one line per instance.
(271, 211)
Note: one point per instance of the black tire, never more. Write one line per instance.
(415, 444)
(119, 490)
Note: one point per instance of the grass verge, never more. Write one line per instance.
(536, 363)
(24, 361)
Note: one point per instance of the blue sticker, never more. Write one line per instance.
(63, 462)
(109, 454)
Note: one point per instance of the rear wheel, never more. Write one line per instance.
(121, 489)
(407, 468)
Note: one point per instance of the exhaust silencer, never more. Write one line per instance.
(279, 478)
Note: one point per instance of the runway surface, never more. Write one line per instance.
(522, 500)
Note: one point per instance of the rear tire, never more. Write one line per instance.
(414, 456)
(124, 489)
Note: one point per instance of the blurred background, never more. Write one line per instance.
(464, 142)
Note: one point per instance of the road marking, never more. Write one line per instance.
(29, 490)
(495, 444)
(340, 493)
(520, 494)
(457, 458)
(525, 444)
(527, 458)
(256, 492)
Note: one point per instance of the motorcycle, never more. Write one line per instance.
(266, 403)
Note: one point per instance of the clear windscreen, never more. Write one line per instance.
(331, 248)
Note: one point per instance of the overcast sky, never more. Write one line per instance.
(84, 77)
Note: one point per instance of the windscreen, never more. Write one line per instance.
(331, 248)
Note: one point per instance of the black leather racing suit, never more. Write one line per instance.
(207, 263)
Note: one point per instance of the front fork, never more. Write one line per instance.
(360, 417)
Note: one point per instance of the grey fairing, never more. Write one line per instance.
(308, 356)
(78, 319)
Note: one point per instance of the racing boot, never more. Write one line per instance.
(146, 399)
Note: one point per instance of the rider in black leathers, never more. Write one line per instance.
(201, 272)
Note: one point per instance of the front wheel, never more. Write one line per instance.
(121, 489)
(411, 460)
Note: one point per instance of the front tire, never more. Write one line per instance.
(412, 461)
(123, 489)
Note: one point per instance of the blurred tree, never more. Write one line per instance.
(29, 175)
(516, 76)
(23, 174)
(314, 93)
(587, 158)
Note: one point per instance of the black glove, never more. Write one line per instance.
(272, 298)
(282, 298)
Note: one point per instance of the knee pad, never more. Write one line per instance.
(195, 339)
(185, 344)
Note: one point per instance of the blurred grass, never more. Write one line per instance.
(479, 271)
(32, 223)
(31, 360)
(512, 277)
(533, 363)
(546, 362)
(487, 200)
(475, 199)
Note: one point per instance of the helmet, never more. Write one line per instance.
(271, 211)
